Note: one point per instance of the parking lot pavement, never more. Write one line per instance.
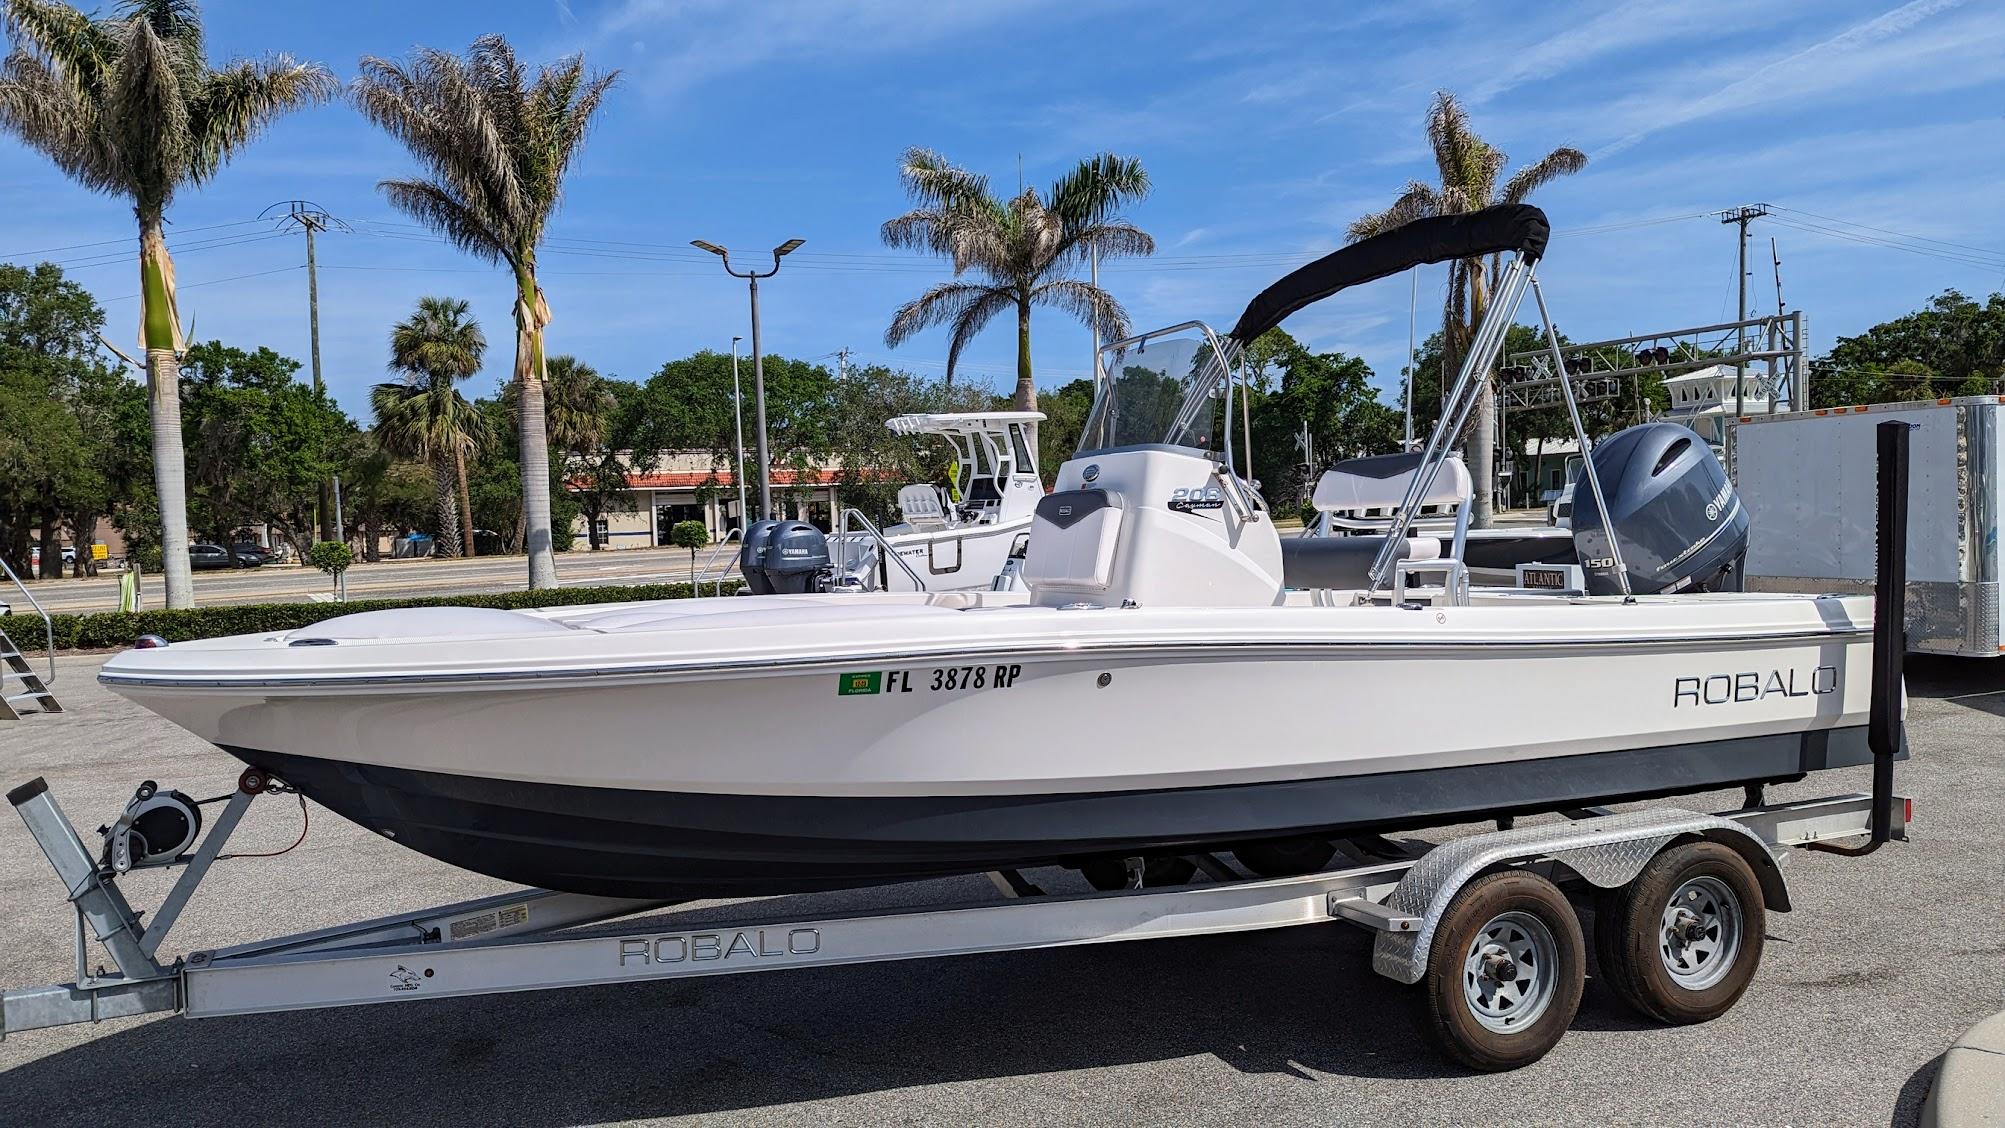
(393, 579)
(1886, 960)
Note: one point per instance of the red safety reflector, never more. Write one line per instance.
(1907, 809)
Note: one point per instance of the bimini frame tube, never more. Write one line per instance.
(1455, 409)
(1580, 434)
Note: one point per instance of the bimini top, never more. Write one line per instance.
(1506, 227)
(960, 422)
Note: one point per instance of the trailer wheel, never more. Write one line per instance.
(1505, 972)
(1682, 941)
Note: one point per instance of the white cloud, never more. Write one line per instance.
(1845, 61)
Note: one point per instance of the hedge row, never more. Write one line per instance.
(110, 629)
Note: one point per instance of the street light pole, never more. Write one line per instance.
(758, 356)
(738, 414)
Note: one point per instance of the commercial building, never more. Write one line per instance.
(689, 485)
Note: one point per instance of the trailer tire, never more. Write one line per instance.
(1285, 857)
(1681, 942)
(1505, 972)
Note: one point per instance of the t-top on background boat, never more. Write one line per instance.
(955, 537)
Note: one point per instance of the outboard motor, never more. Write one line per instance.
(1682, 526)
(752, 556)
(797, 559)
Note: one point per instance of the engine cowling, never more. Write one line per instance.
(1681, 524)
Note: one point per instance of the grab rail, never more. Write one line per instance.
(48, 627)
(696, 581)
(841, 544)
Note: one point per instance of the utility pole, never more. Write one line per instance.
(307, 216)
(842, 363)
(1743, 216)
(1412, 357)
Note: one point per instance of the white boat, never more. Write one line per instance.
(1158, 688)
(953, 537)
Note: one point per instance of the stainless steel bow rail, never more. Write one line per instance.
(518, 941)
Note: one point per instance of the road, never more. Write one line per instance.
(394, 579)
(1884, 962)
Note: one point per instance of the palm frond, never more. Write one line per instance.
(146, 115)
(1090, 305)
(1094, 191)
(49, 115)
(1416, 202)
(934, 182)
(239, 101)
(1564, 161)
(1115, 239)
(76, 46)
(971, 320)
(444, 212)
(940, 305)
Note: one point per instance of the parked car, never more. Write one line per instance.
(1559, 513)
(250, 555)
(201, 556)
(35, 557)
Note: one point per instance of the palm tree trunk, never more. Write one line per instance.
(531, 315)
(160, 331)
(1026, 388)
(1483, 438)
(447, 544)
(465, 505)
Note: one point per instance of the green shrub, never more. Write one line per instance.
(112, 629)
(331, 557)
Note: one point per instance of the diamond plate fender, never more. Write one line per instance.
(1607, 851)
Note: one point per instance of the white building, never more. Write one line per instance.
(687, 485)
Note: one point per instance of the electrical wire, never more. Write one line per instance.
(125, 239)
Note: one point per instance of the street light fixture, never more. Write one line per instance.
(758, 355)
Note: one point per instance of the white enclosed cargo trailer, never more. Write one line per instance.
(1806, 478)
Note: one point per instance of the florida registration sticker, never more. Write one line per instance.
(852, 684)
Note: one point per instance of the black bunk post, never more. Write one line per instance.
(1885, 728)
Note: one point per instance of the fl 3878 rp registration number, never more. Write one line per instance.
(940, 679)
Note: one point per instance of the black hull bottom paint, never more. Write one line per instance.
(627, 843)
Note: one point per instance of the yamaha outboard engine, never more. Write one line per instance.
(752, 556)
(1681, 525)
(796, 558)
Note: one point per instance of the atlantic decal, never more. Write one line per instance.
(1753, 685)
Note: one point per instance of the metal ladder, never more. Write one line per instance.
(34, 696)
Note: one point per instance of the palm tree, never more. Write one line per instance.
(1469, 167)
(128, 105)
(1023, 250)
(424, 418)
(497, 146)
(577, 405)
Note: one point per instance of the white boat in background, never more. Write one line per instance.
(1161, 686)
(956, 537)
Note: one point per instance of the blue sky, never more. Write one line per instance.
(1267, 127)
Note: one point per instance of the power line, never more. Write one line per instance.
(125, 239)
(214, 281)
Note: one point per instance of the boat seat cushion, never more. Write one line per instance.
(1380, 482)
(1072, 540)
(919, 505)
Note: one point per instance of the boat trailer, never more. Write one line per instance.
(517, 942)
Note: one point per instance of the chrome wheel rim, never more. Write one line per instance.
(1699, 936)
(1510, 972)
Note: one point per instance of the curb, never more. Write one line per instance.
(1969, 1088)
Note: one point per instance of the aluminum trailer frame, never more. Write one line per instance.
(514, 941)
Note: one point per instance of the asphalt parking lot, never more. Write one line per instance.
(1884, 962)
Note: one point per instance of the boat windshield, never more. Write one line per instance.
(1160, 389)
